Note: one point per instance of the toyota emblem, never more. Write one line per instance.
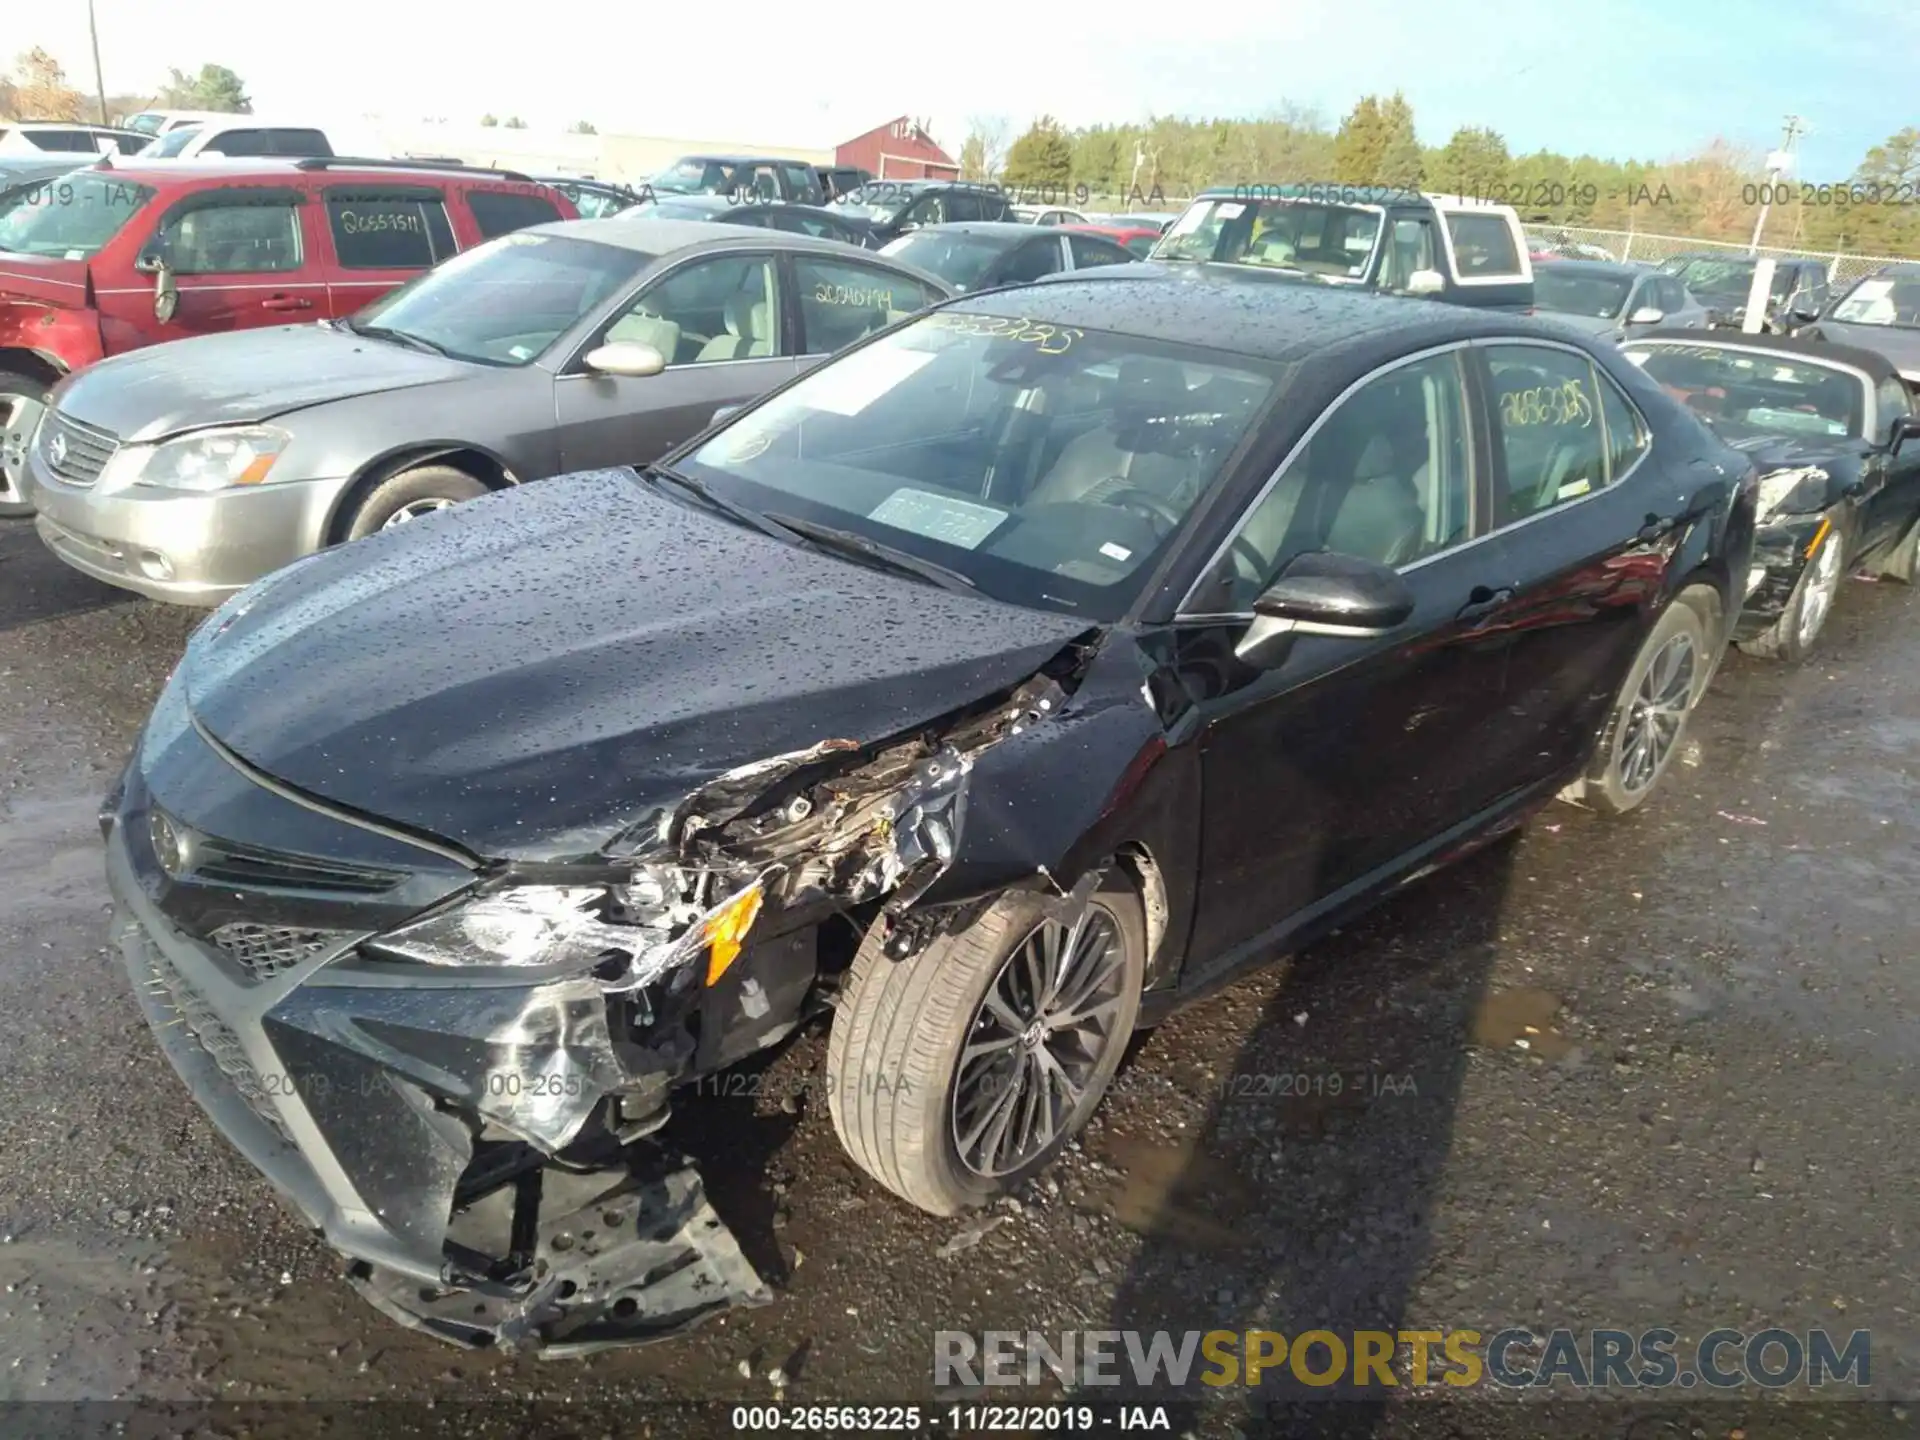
(57, 450)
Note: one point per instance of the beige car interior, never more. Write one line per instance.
(747, 316)
(1100, 463)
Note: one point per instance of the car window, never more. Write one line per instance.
(727, 308)
(238, 239)
(1049, 464)
(169, 145)
(298, 142)
(1320, 239)
(499, 212)
(70, 217)
(1745, 393)
(927, 210)
(1547, 421)
(1141, 246)
(1483, 245)
(800, 180)
(239, 142)
(962, 205)
(1031, 260)
(841, 303)
(1090, 250)
(1388, 476)
(1627, 435)
(77, 142)
(1894, 399)
(1669, 294)
(1411, 246)
(130, 144)
(388, 230)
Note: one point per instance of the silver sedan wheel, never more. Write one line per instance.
(414, 509)
(19, 418)
(1823, 583)
(1036, 1042)
(1657, 714)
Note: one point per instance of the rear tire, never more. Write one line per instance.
(921, 1122)
(1648, 722)
(410, 494)
(23, 399)
(1790, 639)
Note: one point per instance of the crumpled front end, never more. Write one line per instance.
(459, 1068)
(1790, 526)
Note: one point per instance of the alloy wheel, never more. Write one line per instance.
(19, 418)
(1823, 582)
(1036, 1041)
(1657, 714)
(414, 509)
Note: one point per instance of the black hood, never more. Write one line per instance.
(529, 674)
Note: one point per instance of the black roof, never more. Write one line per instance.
(1875, 364)
(1616, 269)
(1011, 232)
(1268, 317)
(1900, 269)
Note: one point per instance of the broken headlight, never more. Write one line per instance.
(627, 935)
(1791, 492)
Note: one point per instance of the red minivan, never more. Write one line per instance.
(128, 253)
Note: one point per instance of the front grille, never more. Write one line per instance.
(211, 1034)
(221, 862)
(264, 951)
(73, 451)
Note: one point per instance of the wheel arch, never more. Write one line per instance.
(482, 463)
(41, 365)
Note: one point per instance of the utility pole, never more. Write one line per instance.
(1779, 163)
(99, 85)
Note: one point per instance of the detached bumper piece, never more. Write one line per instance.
(617, 1260)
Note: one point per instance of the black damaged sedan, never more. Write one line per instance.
(991, 688)
(1834, 433)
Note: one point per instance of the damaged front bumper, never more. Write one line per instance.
(393, 1117)
(1779, 559)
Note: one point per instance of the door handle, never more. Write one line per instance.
(1483, 600)
(1657, 525)
(286, 302)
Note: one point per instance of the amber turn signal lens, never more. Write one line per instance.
(727, 931)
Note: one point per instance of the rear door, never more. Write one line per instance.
(721, 321)
(241, 257)
(1573, 483)
(380, 235)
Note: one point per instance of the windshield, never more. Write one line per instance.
(597, 204)
(1049, 465)
(1882, 302)
(70, 217)
(505, 302)
(1331, 240)
(147, 122)
(1744, 392)
(1571, 293)
(696, 176)
(1728, 279)
(169, 145)
(956, 257)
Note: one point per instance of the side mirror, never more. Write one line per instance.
(722, 413)
(1805, 314)
(1647, 315)
(149, 263)
(1904, 428)
(626, 358)
(166, 294)
(1426, 282)
(1324, 593)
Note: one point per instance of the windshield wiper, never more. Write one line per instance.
(847, 543)
(716, 501)
(399, 337)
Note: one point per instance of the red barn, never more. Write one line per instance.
(899, 150)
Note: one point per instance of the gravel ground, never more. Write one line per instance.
(1657, 1072)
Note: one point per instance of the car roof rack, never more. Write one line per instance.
(353, 162)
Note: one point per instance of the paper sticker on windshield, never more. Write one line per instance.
(1572, 488)
(938, 517)
(1116, 552)
(848, 386)
(1230, 211)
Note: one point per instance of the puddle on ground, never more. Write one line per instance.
(1507, 1017)
(1176, 1192)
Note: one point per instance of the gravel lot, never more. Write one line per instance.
(1709, 1122)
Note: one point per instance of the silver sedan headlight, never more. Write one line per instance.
(203, 461)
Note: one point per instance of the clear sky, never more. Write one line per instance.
(1648, 79)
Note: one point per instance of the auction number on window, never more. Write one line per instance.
(1557, 405)
(1047, 339)
(866, 297)
(375, 222)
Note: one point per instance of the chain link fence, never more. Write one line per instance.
(1842, 269)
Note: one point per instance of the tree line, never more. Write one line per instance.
(37, 89)
(1715, 193)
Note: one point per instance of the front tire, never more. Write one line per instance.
(23, 400)
(956, 1074)
(1648, 722)
(1792, 636)
(412, 493)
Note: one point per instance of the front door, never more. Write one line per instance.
(1355, 752)
(719, 322)
(241, 257)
